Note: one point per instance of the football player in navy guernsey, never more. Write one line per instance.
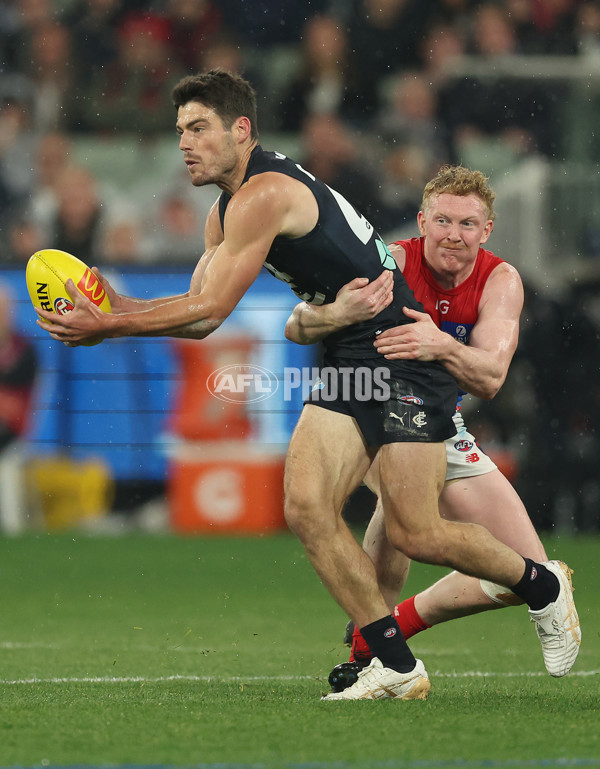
(476, 298)
(272, 213)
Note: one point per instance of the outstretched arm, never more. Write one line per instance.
(357, 301)
(120, 303)
(480, 367)
(127, 304)
(221, 279)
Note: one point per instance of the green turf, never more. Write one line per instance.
(166, 650)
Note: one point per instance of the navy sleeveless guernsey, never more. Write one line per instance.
(342, 246)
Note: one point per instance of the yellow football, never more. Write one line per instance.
(46, 274)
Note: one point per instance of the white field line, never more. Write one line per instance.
(234, 679)
(27, 645)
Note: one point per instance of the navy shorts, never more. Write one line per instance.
(391, 402)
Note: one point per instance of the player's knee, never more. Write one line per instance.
(301, 513)
(417, 548)
(423, 545)
(294, 514)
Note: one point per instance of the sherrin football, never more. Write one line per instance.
(46, 274)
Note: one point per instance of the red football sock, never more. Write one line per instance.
(408, 618)
(360, 649)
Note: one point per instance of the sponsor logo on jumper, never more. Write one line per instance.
(460, 331)
(443, 305)
(472, 458)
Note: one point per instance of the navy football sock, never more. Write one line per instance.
(537, 587)
(386, 642)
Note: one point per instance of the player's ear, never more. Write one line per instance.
(487, 231)
(242, 128)
(421, 222)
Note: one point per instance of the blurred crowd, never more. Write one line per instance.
(363, 88)
(366, 94)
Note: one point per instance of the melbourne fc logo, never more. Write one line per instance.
(411, 399)
(463, 445)
(62, 306)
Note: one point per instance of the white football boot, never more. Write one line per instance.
(557, 625)
(378, 683)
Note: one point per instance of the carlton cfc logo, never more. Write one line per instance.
(463, 445)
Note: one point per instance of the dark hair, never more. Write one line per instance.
(228, 94)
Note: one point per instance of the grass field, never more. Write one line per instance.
(149, 650)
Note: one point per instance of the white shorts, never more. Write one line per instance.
(463, 455)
